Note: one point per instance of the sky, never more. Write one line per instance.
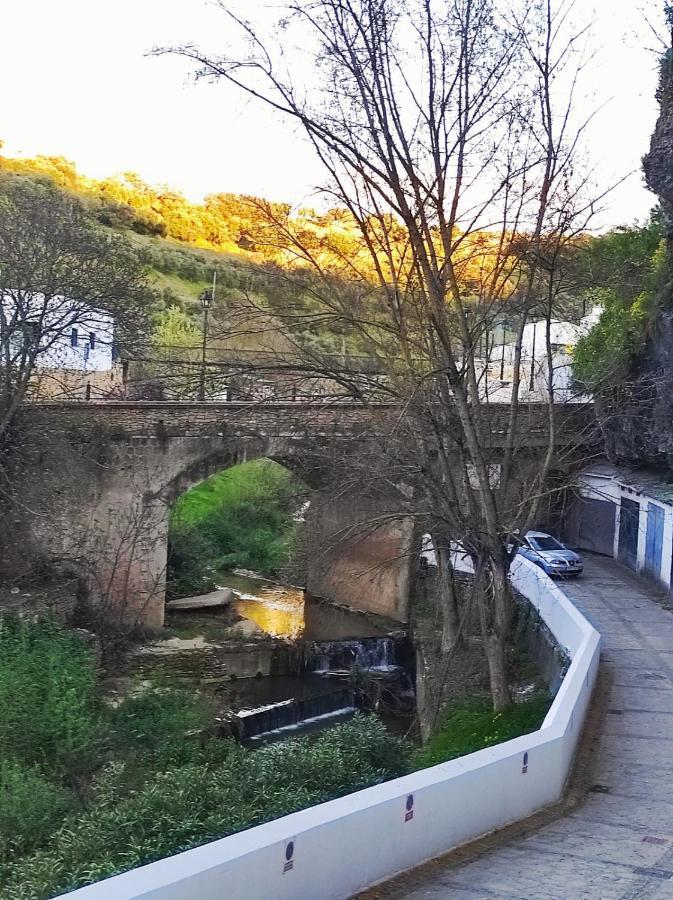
(76, 81)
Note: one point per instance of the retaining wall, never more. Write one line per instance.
(333, 850)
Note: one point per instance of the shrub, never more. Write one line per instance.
(193, 804)
(190, 558)
(607, 352)
(159, 716)
(51, 715)
(157, 730)
(471, 725)
(31, 807)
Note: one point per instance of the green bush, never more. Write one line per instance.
(159, 716)
(629, 264)
(31, 808)
(156, 730)
(51, 715)
(606, 353)
(190, 805)
(471, 725)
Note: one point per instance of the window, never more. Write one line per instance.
(73, 337)
(545, 542)
(92, 340)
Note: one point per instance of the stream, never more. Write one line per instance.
(279, 663)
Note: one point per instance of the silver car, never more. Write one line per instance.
(550, 555)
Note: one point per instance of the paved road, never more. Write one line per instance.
(619, 842)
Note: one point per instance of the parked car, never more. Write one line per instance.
(550, 555)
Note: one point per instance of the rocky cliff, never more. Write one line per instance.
(637, 413)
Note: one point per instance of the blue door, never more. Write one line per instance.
(654, 540)
(629, 520)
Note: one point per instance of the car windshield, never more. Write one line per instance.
(545, 542)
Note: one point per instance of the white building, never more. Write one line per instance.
(535, 379)
(75, 343)
(563, 337)
(628, 514)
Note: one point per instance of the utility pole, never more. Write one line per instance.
(207, 298)
(502, 355)
(532, 361)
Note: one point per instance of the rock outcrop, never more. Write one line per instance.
(636, 414)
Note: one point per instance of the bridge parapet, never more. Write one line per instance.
(155, 419)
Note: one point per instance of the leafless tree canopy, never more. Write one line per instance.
(449, 135)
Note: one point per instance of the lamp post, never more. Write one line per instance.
(206, 299)
(532, 360)
(502, 357)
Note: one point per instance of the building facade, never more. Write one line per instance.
(75, 354)
(627, 514)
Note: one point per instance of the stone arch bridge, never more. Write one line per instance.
(98, 479)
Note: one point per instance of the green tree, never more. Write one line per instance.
(58, 269)
(628, 264)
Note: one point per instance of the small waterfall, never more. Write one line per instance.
(372, 654)
(293, 716)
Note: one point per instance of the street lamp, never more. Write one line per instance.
(532, 360)
(206, 300)
(505, 323)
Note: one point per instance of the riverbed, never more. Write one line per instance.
(274, 660)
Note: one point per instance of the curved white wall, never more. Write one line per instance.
(333, 850)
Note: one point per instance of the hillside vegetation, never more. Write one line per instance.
(231, 232)
(250, 244)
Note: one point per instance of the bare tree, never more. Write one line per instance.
(449, 137)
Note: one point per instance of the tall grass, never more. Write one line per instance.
(469, 725)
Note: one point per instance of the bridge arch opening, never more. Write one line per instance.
(247, 516)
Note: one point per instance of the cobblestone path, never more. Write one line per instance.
(618, 844)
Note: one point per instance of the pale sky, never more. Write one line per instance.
(75, 82)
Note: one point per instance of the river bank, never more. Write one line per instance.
(276, 662)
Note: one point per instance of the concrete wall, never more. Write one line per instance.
(333, 850)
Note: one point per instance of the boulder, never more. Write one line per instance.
(222, 597)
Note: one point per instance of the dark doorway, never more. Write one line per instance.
(629, 521)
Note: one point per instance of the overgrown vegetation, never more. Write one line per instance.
(88, 790)
(629, 264)
(469, 725)
(242, 517)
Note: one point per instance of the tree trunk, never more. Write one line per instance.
(497, 671)
(427, 698)
(495, 618)
(446, 594)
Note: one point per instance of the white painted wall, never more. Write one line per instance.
(57, 317)
(345, 845)
(607, 486)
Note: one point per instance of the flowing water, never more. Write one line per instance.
(285, 612)
(289, 670)
(374, 654)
